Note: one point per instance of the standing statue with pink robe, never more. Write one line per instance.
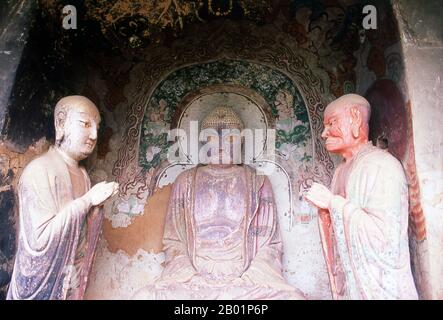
(364, 218)
(60, 220)
(221, 239)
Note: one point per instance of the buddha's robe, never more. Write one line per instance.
(58, 231)
(365, 240)
(221, 239)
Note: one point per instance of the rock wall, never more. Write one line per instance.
(421, 30)
(398, 70)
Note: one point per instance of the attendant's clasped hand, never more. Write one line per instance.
(319, 196)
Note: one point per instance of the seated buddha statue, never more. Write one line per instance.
(221, 237)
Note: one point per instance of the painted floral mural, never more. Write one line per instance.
(288, 107)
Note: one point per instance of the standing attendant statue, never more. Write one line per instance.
(364, 218)
(60, 216)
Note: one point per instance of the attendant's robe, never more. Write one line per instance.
(365, 240)
(221, 239)
(51, 224)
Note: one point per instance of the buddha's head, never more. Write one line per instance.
(222, 129)
(76, 120)
(346, 122)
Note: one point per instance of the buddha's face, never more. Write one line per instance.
(80, 131)
(225, 147)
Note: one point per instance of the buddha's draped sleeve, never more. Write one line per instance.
(178, 266)
(265, 266)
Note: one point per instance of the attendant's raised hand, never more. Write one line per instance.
(101, 192)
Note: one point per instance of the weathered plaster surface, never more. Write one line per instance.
(119, 276)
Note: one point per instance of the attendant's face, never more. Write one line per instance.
(338, 130)
(80, 131)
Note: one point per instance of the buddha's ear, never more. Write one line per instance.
(356, 121)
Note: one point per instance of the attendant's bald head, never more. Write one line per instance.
(346, 122)
(76, 120)
(67, 104)
(347, 101)
(79, 103)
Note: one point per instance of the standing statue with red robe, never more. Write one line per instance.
(364, 217)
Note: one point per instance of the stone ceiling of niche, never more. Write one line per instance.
(140, 22)
(137, 23)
